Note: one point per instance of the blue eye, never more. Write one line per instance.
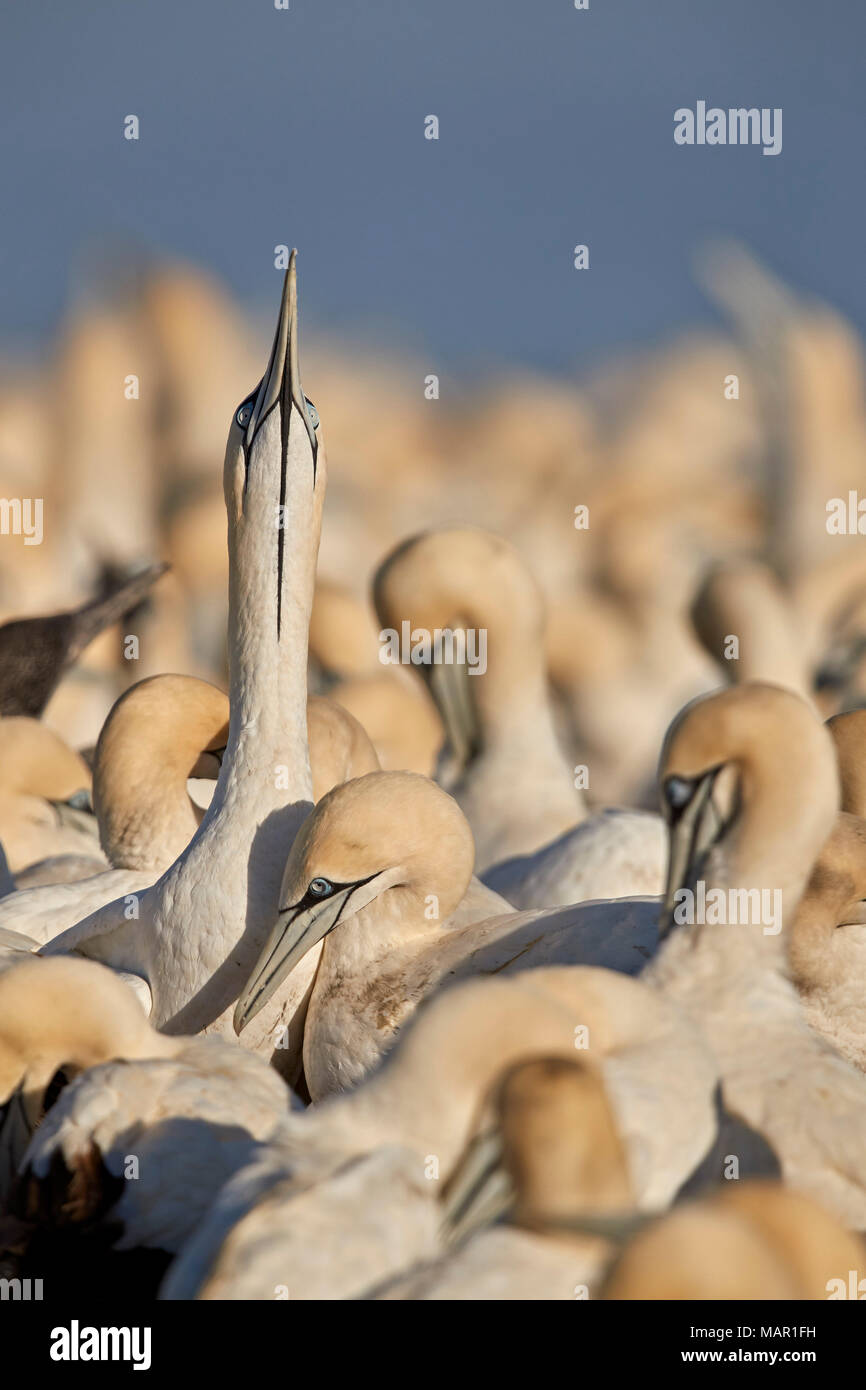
(314, 414)
(320, 888)
(244, 413)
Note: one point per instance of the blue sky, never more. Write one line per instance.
(306, 127)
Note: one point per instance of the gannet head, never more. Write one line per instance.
(463, 580)
(35, 761)
(393, 834)
(59, 1015)
(553, 1157)
(749, 790)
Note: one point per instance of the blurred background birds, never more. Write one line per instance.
(657, 513)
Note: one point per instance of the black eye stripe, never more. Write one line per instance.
(311, 899)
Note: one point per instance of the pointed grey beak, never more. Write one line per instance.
(281, 383)
(298, 929)
(693, 826)
(451, 688)
(479, 1191)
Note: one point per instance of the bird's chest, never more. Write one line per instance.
(354, 1019)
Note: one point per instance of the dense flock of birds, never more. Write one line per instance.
(329, 977)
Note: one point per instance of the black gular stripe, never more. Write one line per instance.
(285, 402)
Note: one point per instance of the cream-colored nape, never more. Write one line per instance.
(38, 773)
(750, 1240)
(152, 741)
(555, 1152)
(561, 1143)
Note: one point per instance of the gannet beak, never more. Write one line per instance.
(694, 825)
(281, 390)
(281, 383)
(298, 929)
(451, 688)
(479, 1191)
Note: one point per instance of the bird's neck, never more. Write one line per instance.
(230, 876)
(267, 763)
(519, 748)
(146, 816)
